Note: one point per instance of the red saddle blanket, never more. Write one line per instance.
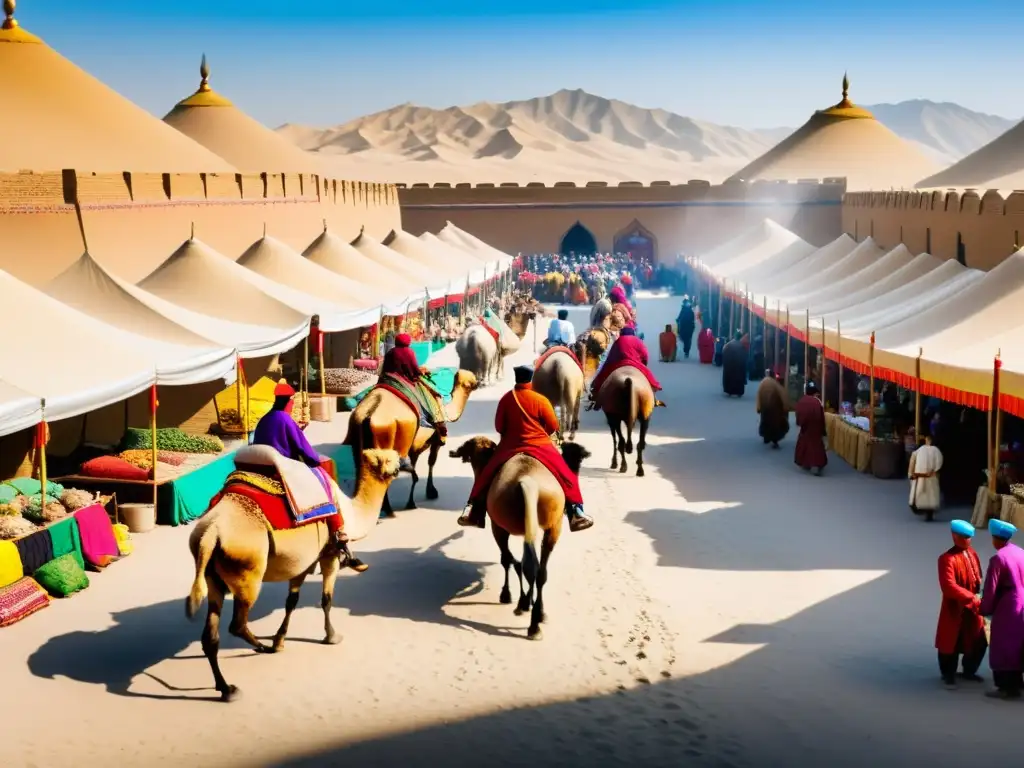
(274, 508)
(551, 351)
(494, 334)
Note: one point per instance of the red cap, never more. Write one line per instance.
(283, 389)
(403, 340)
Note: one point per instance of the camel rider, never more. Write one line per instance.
(400, 362)
(526, 421)
(628, 350)
(279, 430)
(561, 332)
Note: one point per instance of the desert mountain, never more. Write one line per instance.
(577, 136)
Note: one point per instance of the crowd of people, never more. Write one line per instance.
(584, 278)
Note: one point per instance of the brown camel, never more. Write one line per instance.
(627, 397)
(524, 309)
(561, 381)
(524, 500)
(236, 553)
(384, 420)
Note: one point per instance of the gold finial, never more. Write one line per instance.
(846, 108)
(204, 73)
(10, 22)
(846, 87)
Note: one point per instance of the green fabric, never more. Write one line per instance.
(66, 539)
(62, 576)
(443, 380)
(431, 411)
(29, 486)
(343, 461)
(7, 493)
(187, 498)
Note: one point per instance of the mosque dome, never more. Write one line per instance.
(843, 140)
(213, 121)
(57, 116)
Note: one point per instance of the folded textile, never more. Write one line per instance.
(36, 550)
(96, 533)
(20, 600)
(308, 489)
(11, 568)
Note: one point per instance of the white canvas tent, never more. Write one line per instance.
(452, 266)
(434, 286)
(485, 252)
(89, 288)
(18, 409)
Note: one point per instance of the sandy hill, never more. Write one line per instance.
(577, 136)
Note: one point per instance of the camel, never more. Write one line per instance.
(561, 381)
(627, 396)
(524, 500)
(383, 420)
(235, 553)
(479, 352)
(590, 346)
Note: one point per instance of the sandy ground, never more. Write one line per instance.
(726, 610)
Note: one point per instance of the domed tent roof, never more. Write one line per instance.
(997, 165)
(217, 124)
(57, 116)
(843, 140)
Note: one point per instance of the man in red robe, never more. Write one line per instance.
(525, 420)
(961, 627)
(810, 445)
(629, 350)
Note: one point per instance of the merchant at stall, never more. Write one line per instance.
(280, 431)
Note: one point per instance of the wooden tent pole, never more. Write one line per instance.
(786, 374)
(839, 354)
(993, 408)
(41, 430)
(153, 404)
(718, 314)
(775, 336)
(824, 366)
(917, 395)
(750, 315)
(871, 387)
(304, 384)
(764, 333)
(807, 348)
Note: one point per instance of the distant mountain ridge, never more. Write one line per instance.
(575, 135)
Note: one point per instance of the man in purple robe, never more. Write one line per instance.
(1003, 600)
(279, 430)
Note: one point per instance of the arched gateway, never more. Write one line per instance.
(578, 240)
(638, 241)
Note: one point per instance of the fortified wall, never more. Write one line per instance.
(978, 228)
(663, 218)
(132, 222)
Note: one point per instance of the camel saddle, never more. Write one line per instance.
(306, 491)
(425, 403)
(559, 348)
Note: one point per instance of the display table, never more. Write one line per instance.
(851, 444)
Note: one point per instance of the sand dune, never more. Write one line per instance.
(577, 136)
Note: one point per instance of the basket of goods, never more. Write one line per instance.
(171, 439)
(348, 381)
(258, 401)
(300, 409)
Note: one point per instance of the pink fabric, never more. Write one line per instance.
(99, 546)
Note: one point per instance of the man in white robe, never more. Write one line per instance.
(923, 472)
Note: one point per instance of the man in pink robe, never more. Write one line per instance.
(810, 445)
(628, 350)
(1003, 600)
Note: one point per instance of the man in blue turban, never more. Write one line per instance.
(1003, 600)
(961, 630)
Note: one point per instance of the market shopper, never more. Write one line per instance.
(810, 445)
(923, 472)
(1003, 600)
(961, 629)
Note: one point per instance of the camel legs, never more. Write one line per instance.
(245, 594)
(613, 425)
(538, 616)
(215, 590)
(413, 458)
(435, 448)
(575, 422)
(294, 587)
(640, 446)
(501, 537)
(329, 568)
(386, 510)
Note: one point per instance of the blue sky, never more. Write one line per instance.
(746, 63)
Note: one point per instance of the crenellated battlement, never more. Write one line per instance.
(131, 222)
(979, 227)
